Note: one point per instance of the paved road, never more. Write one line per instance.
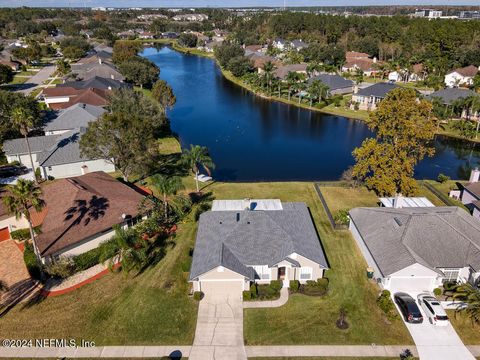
(37, 80)
(437, 342)
(219, 332)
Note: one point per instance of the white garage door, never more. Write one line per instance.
(413, 284)
(234, 287)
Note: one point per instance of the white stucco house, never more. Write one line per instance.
(417, 249)
(244, 241)
(461, 76)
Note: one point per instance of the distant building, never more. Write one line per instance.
(428, 13)
(368, 98)
(461, 76)
(337, 85)
(190, 17)
(149, 17)
(360, 61)
(469, 15)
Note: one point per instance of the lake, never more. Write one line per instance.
(253, 139)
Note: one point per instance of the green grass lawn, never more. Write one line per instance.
(311, 320)
(169, 145)
(323, 358)
(468, 332)
(343, 110)
(151, 308)
(339, 198)
(449, 130)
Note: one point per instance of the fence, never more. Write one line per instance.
(334, 225)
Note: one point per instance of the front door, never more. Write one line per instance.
(281, 273)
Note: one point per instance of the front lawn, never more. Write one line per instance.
(311, 320)
(151, 308)
(468, 332)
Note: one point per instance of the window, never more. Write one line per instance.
(305, 273)
(262, 272)
(451, 274)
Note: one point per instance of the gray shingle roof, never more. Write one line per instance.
(449, 95)
(95, 82)
(104, 70)
(434, 237)
(333, 82)
(378, 90)
(75, 117)
(37, 144)
(254, 238)
(65, 151)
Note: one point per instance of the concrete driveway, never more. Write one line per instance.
(37, 80)
(436, 342)
(219, 332)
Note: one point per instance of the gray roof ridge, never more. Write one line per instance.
(290, 240)
(412, 253)
(458, 231)
(49, 152)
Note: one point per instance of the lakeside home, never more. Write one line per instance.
(369, 97)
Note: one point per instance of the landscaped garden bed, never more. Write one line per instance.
(310, 287)
(259, 292)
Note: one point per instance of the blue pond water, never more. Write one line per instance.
(252, 139)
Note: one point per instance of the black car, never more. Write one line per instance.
(410, 311)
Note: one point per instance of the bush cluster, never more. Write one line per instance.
(263, 291)
(92, 257)
(384, 302)
(442, 178)
(23, 234)
(61, 268)
(31, 263)
(198, 295)
(437, 292)
(294, 286)
(316, 288)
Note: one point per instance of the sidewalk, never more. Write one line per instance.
(184, 351)
(282, 300)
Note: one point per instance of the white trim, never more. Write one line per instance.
(206, 280)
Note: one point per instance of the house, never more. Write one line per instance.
(210, 46)
(369, 97)
(103, 48)
(259, 60)
(95, 83)
(244, 241)
(449, 96)
(360, 61)
(417, 249)
(470, 194)
(281, 72)
(103, 69)
(98, 57)
(298, 45)
(14, 65)
(57, 155)
(80, 212)
(9, 222)
(461, 76)
(75, 117)
(336, 84)
(146, 35)
(280, 44)
(428, 13)
(125, 35)
(251, 49)
(169, 35)
(63, 97)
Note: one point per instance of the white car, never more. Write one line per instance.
(433, 310)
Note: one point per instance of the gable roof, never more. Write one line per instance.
(91, 96)
(450, 95)
(467, 71)
(81, 207)
(104, 70)
(364, 64)
(349, 55)
(378, 90)
(334, 82)
(66, 150)
(74, 117)
(95, 82)
(474, 188)
(259, 237)
(435, 237)
(37, 144)
(282, 71)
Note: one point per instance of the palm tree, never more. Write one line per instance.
(23, 196)
(292, 78)
(268, 69)
(317, 90)
(167, 186)
(24, 122)
(471, 296)
(195, 157)
(130, 252)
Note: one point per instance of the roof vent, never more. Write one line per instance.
(398, 221)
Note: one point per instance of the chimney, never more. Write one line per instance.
(397, 201)
(474, 176)
(247, 204)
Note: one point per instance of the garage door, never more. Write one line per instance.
(411, 284)
(233, 288)
(4, 234)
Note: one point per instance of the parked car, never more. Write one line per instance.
(410, 311)
(433, 310)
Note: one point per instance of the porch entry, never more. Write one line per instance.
(281, 273)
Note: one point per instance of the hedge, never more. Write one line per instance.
(92, 257)
(24, 234)
(31, 262)
(385, 303)
(294, 285)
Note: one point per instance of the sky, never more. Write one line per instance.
(225, 3)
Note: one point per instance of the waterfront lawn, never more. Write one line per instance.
(343, 198)
(468, 332)
(169, 145)
(311, 320)
(148, 309)
(448, 129)
(343, 110)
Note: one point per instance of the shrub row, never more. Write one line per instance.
(24, 234)
(263, 291)
(92, 257)
(311, 287)
(31, 263)
(385, 303)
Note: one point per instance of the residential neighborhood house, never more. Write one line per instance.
(244, 241)
(461, 77)
(369, 97)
